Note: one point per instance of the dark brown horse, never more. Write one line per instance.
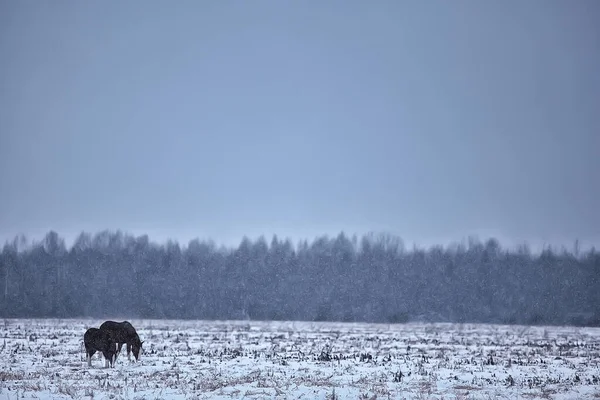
(124, 332)
(94, 340)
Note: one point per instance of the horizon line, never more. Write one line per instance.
(533, 246)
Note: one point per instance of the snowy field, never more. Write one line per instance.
(45, 359)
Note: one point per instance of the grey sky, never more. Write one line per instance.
(432, 120)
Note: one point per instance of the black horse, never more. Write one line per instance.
(124, 332)
(94, 340)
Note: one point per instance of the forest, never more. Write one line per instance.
(372, 278)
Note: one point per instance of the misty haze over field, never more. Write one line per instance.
(229, 159)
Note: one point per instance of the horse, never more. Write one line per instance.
(94, 340)
(124, 332)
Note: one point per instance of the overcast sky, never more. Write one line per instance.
(431, 120)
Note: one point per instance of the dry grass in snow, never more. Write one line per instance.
(45, 359)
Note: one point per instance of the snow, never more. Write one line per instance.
(45, 359)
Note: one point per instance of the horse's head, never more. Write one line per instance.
(136, 347)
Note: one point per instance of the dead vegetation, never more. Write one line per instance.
(259, 360)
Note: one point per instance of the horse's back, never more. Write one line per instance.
(123, 330)
(88, 335)
(91, 334)
(111, 325)
(96, 338)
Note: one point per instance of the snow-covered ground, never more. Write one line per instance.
(290, 360)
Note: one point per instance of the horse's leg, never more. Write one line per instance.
(113, 354)
(108, 359)
(89, 354)
(118, 350)
(128, 351)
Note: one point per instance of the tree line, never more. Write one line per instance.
(373, 278)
